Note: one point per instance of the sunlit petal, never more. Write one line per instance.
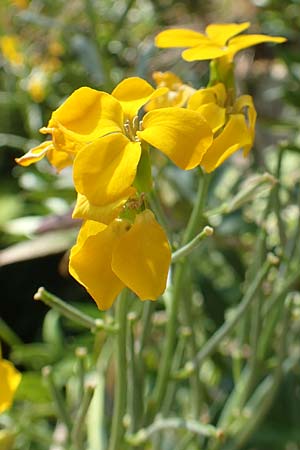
(214, 94)
(59, 159)
(142, 256)
(104, 214)
(133, 93)
(244, 104)
(177, 95)
(181, 134)
(106, 168)
(220, 33)
(179, 38)
(88, 114)
(213, 114)
(90, 263)
(235, 135)
(35, 154)
(209, 50)
(248, 40)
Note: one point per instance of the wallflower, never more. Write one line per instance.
(219, 40)
(105, 170)
(233, 123)
(89, 114)
(177, 95)
(106, 259)
(9, 381)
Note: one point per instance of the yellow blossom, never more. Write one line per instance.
(22, 4)
(10, 379)
(106, 259)
(88, 115)
(233, 123)
(9, 46)
(219, 40)
(36, 85)
(177, 94)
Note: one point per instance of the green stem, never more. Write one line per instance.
(96, 420)
(272, 312)
(135, 386)
(79, 423)
(8, 335)
(167, 356)
(81, 353)
(192, 245)
(172, 385)
(70, 312)
(277, 201)
(263, 397)
(193, 426)
(57, 398)
(148, 309)
(197, 213)
(117, 430)
(228, 326)
(196, 389)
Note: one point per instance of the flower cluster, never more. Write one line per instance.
(107, 139)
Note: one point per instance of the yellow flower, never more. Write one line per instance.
(37, 85)
(233, 123)
(218, 41)
(177, 95)
(88, 115)
(105, 170)
(106, 259)
(10, 49)
(22, 4)
(9, 381)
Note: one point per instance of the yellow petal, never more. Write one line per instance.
(213, 114)
(242, 103)
(10, 379)
(215, 94)
(234, 136)
(177, 95)
(35, 154)
(168, 79)
(133, 93)
(179, 38)
(179, 133)
(104, 214)
(90, 263)
(209, 50)
(248, 40)
(142, 256)
(87, 115)
(59, 159)
(220, 33)
(105, 169)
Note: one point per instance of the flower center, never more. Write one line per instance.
(131, 127)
